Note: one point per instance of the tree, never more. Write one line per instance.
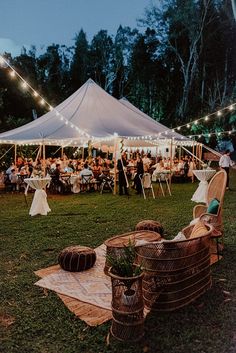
(101, 56)
(79, 71)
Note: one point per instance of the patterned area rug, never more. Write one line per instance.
(87, 294)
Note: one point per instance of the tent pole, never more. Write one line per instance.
(62, 151)
(83, 152)
(115, 166)
(200, 151)
(44, 160)
(15, 154)
(193, 152)
(38, 154)
(171, 160)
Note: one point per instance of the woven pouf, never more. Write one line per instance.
(77, 258)
(151, 225)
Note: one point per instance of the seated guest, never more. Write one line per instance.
(56, 178)
(146, 163)
(97, 169)
(86, 173)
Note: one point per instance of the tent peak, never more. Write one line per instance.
(90, 80)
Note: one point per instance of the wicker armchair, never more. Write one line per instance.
(216, 189)
(176, 272)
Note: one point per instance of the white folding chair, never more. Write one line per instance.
(146, 182)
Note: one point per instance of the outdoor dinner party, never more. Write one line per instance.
(118, 176)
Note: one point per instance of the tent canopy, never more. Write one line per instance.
(89, 114)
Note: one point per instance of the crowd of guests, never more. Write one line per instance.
(129, 169)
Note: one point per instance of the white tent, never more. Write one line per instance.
(90, 114)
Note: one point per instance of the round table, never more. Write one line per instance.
(203, 175)
(39, 204)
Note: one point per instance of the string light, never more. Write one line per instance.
(25, 85)
(217, 133)
(207, 117)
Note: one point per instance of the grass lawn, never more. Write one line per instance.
(34, 321)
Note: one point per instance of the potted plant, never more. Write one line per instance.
(127, 298)
(123, 267)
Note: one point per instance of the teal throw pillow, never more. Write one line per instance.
(213, 206)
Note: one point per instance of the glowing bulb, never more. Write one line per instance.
(178, 128)
(190, 136)
(219, 113)
(42, 102)
(231, 107)
(209, 135)
(35, 94)
(12, 74)
(173, 130)
(24, 85)
(2, 61)
(206, 118)
(188, 126)
(50, 108)
(195, 122)
(219, 133)
(230, 132)
(199, 136)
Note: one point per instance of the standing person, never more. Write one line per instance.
(225, 162)
(121, 166)
(138, 175)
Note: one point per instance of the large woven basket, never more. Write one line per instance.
(115, 245)
(177, 272)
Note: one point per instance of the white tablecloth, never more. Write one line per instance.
(202, 175)
(39, 204)
(75, 182)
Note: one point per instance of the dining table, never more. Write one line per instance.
(39, 204)
(203, 175)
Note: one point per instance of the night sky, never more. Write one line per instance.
(43, 22)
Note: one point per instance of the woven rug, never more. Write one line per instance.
(87, 294)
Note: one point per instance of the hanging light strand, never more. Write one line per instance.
(42, 101)
(207, 117)
(217, 133)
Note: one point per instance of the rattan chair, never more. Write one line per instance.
(216, 189)
(175, 272)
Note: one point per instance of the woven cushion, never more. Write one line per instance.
(213, 206)
(77, 258)
(198, 230)
(154, 226)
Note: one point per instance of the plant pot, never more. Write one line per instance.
(129, 297)
(127, 307)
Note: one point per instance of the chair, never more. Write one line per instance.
(215, 190)
(175, 272)
(106, 184)
(146, 182)
(163, 178)
(86, 182)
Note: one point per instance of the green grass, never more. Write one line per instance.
(33, 321)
